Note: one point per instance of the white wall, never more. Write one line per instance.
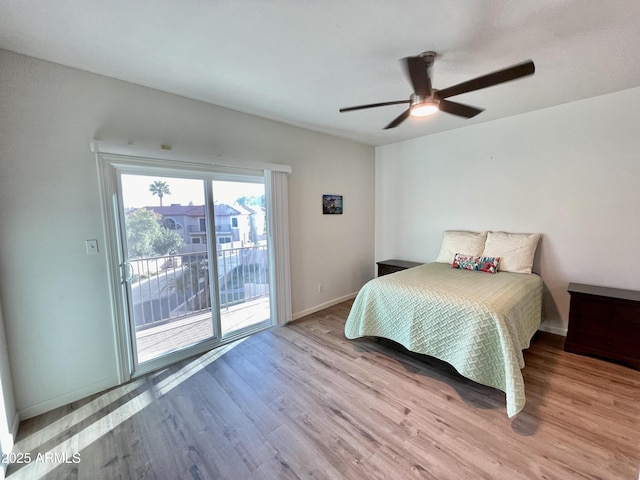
(570, 172)
(56, 303)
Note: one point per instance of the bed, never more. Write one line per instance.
(477, 322)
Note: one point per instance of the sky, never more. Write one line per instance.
(135, 191)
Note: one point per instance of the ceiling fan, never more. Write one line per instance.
(426, 100)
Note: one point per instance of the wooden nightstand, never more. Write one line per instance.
(604, 322)
(391, 266)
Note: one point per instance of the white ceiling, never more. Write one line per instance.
(299, 61)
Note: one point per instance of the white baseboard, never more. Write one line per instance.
(322, 306)
(553, 329)
(15, 425)
(67, 398)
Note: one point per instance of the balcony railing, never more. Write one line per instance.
(176, 286)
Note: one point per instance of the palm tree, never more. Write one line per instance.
(159, 188)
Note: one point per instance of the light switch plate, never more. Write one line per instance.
(92, 247)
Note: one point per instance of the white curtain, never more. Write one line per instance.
(277, 196)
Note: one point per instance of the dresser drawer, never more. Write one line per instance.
(613, 344)
(602, 310)
(386, 270)
(391, 266)
(613, 323)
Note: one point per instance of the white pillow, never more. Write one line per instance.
(460, 241)
(516, 250)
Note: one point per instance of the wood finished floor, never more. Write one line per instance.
(304, 402)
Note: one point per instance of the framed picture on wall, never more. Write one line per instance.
(332, 204)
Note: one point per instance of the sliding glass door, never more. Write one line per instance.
(194, 260)
(242, 251)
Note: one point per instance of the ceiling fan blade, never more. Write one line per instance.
(373, 105)
(459, 109)
(398, 120)
(495, 78)
(419, 75)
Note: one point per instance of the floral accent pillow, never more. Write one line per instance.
(480, 264)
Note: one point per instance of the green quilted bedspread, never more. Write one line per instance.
(478, 322)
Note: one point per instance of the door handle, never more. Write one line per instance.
(127, 271)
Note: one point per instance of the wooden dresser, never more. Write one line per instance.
(604, 322)
(391, 266)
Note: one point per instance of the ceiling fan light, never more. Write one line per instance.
(424, 109)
